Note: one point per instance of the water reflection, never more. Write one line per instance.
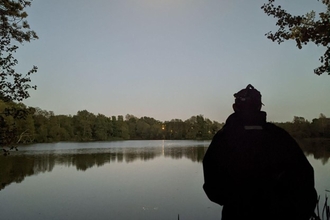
(16, 167)
(320, 149)
(39, 159)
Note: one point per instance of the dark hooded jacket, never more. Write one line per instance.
(256, 170)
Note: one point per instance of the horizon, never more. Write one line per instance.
(168, 59)
(205, 117)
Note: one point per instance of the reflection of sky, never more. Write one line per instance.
(322, 171)
(322, 178)
(112, 144)
(157, 189)
(168, 59)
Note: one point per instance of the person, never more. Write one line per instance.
(255, 169)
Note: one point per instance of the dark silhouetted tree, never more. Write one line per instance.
(14, 86)
(310, 27)
(14, 30)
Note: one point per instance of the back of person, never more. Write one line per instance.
(256, 170)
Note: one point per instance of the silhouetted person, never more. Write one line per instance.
(255, 169)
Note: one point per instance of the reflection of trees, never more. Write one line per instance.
(15, 168)
(85, 161)
(319, 148)
(195, 154)
(43, 163)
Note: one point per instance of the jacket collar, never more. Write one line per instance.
(241, 119)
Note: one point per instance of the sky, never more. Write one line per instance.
(168, 59)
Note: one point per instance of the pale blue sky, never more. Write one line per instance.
(168, 59)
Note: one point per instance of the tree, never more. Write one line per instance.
(41, 124)
(175, 129)
(65, 127)
(16, 125)
(321, 126)
(123, 129)
(191, 128)
(14, 29)
(150, 126)
(101, 128)
(300, 127)
(131, 122)
(114, 129)
(303, 29)
(14, 86)
(83, 125)
(142, 129)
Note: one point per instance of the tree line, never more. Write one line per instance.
(41, 126)
(301, 128)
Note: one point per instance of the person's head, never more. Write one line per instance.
(247, 100)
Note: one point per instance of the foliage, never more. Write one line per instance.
(14, 86)
(14, 29)
(40, 126)
(303, 29)
(302, 128)
(16, 125)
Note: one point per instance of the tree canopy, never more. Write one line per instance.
(41, 126)
(14, 30)
(310, 27)
(14, 86)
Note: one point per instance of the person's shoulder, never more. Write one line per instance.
(278, 131)
(219, 133)
(273, 127)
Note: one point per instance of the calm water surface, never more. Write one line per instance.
(117, 180)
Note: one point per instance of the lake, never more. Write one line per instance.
(118, 180)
